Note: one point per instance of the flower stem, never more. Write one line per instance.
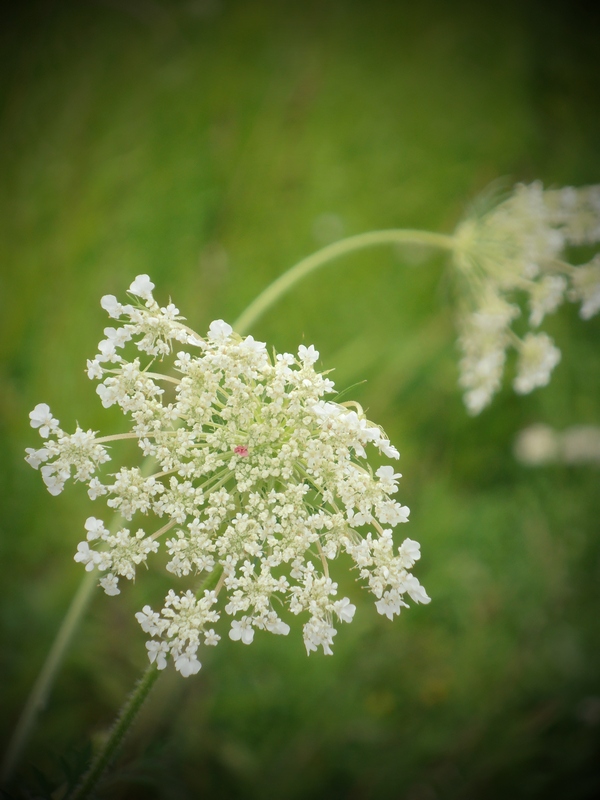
(284, 282)
(124, 721)
(41, 689)
(129, 712)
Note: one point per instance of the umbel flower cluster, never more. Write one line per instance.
(253, 475)
(517, 250)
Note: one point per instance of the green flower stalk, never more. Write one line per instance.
(512, 254)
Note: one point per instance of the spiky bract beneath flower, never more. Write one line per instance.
(517, 250)
(256, 476)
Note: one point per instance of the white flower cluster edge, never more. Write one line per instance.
(255, 475)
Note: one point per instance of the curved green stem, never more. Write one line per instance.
(303, 268)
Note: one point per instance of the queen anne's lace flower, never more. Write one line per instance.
(517, 248)
(256, 476)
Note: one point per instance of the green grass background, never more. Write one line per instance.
(212, 144)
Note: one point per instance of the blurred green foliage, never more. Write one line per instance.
(212, 144)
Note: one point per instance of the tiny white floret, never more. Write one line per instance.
(95, 528)
(42, 418)
(142, 286)
(157, 652)
(110, 584)
(219, 331)
(308, 354)
(241, 631)
(36, 457)
(112, 306)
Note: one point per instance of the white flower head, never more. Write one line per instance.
(259, 484)
(539, 444)
(514, 253)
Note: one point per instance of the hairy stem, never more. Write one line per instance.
(303, 268)
(124, 721)
(42, 687)
(129, 712)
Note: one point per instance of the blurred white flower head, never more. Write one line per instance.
(540, 444)
(256, 476)
(516, 252)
